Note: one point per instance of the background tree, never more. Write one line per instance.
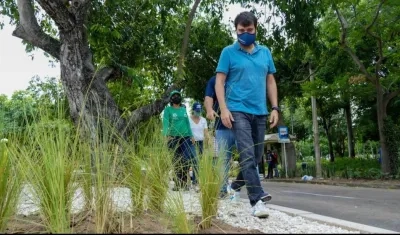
(87, 65)
(368, 24)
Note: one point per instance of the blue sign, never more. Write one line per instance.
(283, 134)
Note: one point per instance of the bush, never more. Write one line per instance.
(349, 168)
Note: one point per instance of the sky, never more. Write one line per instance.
(17, 67)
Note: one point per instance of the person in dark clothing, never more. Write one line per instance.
(272, 159)
(176, 128)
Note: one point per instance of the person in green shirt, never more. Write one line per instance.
(176, 127)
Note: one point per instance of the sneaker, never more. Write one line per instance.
(266, 197)
(223, 194)
(196, 188)
(259, 210)
(235, 197)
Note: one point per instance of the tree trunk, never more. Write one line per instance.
(91, 105)
(350, 135)
(90, 101)
(381, 115)
(329, 137)
(331, 155)
(317, 150)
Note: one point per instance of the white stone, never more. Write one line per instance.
(237, 214)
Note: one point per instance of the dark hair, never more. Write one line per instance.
(245, 18)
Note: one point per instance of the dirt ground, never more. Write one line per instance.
(84, 223)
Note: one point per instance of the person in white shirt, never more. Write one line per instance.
(199, 127)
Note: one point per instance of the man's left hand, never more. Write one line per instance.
(273, 119)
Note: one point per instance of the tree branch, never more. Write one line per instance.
(377, 38)
(388, 97)
(29, 30)
(343, 43)
(105, 73)
(58, 11)
(185, 42)
(311, 74)
(368, 28)
(143, 113)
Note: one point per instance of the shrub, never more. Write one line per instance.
(349, 168)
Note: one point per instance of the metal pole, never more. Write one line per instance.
(284, 153)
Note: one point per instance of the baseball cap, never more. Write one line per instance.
(173, 93)
(196, 107)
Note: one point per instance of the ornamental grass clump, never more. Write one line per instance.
(47, 162)
(175, 211)
(10, 187)
(106, 158)
(136, 180)
(210, 176)
(159, 165)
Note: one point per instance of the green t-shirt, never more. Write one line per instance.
(176, 122)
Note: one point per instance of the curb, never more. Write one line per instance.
(366, 185)
(329, 220)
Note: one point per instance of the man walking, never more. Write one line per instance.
(244, 77)
(224, 137)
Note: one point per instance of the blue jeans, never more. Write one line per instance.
(225, 139)
(199, 144)
(184, 156)
(249, 132)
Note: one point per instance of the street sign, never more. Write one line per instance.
(283, 134)
(283, 138)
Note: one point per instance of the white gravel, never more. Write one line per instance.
(236, 214)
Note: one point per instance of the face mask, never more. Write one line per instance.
(197, 114)
(246, 39)
(176, 100)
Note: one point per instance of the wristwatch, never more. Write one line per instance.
(276, 108)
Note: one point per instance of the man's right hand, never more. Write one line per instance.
(227, 118)
(211, 115)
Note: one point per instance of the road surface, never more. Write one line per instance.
(370, 206)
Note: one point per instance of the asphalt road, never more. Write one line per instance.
(370, 206)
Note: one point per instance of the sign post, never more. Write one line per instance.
(283, 138)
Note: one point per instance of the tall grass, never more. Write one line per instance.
(55, 160)
(136, 180)
(176, 211)
(106, 156)
(210, 177)
(86, 176)
(9, 186)
(159, 165)
(47, 162)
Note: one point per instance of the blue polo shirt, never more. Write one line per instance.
(246, 78)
